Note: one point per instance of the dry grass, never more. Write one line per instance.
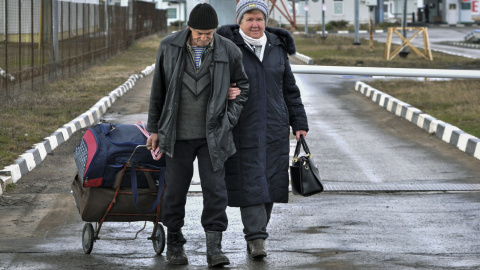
(340, 51)
(35, 115)
(456, 102)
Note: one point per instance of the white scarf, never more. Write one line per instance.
(255, 42)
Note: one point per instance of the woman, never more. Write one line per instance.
(257, 175)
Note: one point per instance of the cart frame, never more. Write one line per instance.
(91, 235)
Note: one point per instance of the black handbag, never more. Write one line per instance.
(304, 173)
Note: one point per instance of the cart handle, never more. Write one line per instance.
(135, 150)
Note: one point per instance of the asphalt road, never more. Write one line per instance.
(356, 144)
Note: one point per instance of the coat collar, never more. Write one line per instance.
(275, 36)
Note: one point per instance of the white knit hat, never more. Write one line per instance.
(247, 5)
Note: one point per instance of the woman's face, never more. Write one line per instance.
(253, 24)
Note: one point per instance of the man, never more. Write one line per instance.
(427, 13)
(190, 116)
(274, 105)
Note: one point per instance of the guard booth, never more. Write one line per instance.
(451, 11)
(458, 11)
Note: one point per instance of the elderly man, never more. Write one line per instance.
(190, 116)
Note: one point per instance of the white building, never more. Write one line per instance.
(177, 10)
(343, 10)
(440, 11)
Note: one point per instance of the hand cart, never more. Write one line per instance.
(117, 204)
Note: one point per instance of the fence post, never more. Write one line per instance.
(76, 38)
(55, 36)
(106, 23)
(62, 39)
(32, 44)
(69, 38)
(6, 47)
(19, 76)
(84, 57)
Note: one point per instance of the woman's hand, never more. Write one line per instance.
(233, 92)
(302, 132)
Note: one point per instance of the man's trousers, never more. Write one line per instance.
(178, 178)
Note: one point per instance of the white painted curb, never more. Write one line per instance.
(307, 60)
(444, 131)
(33, 157)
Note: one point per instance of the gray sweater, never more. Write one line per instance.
(196, 90)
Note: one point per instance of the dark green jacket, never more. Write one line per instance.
(222, 114)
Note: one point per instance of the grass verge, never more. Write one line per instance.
(340, 51)
(10, 187)
(456, 102)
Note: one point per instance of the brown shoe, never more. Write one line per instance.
(256, 249)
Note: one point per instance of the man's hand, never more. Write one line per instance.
(153, 141)
(303, 132)
(233, 92)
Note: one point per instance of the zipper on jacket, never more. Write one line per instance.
(177, 100)
(212, 85)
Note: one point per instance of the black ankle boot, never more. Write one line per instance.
(256, 249)
(175, 252)
(215, 256)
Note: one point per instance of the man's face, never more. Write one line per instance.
(201, 38)
(253, 24)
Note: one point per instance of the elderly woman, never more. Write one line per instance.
(257, 175)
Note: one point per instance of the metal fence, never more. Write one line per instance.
(43, 40)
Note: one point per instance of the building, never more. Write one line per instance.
(439, 11)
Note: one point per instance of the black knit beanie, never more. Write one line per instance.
(203, 17)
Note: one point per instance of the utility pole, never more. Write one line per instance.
(306, 17)
(404, 53)
(185, 13)
(107, 3)
(357, 14)
(324, 8)
(380, 11)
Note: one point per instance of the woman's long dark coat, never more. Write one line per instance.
(258, 172)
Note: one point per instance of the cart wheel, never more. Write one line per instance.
(159, 239)
(87, 239)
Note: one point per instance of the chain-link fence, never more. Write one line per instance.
(42, 40)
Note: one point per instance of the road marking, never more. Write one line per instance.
(401, 187)
(383, 187)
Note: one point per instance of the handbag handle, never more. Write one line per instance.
(301, 142)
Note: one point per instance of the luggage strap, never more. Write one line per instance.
(155, 152)
(133, 178)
